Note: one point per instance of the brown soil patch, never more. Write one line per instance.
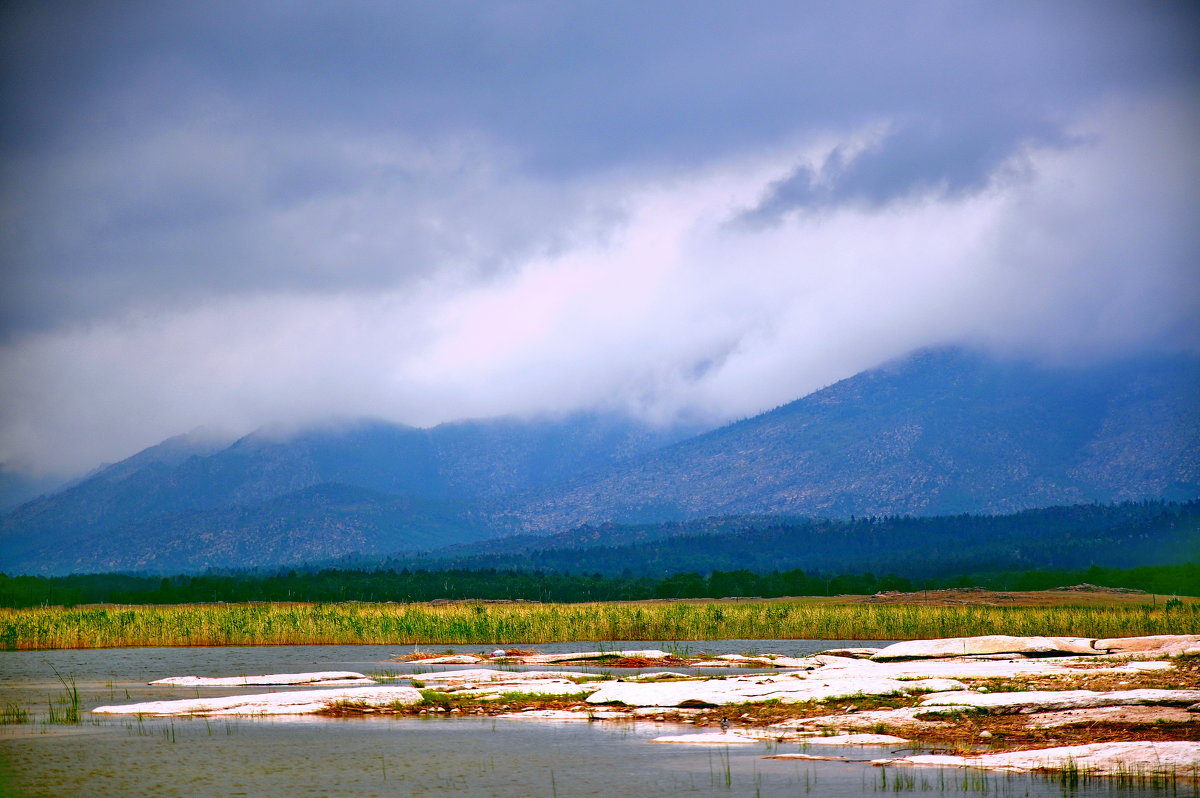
(641, 662)
(1070, 596)
(1172, 679)
(1062, 597)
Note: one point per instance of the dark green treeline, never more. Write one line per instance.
(404, 586)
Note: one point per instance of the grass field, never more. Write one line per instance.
(468, 623)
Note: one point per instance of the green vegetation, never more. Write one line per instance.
(394, 624)
(65, 709)
(408, 586)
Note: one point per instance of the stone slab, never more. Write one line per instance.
(1157, 645)
(1052, 700)
(712, 738)
(315, 678)
(1113, 715)
(294, 702)
(1124, 758)
(717, 692)
(983, 645)
(854, 739)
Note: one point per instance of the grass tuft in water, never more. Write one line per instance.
(65, 708)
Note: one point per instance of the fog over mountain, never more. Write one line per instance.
(226, 217)
(941, 432)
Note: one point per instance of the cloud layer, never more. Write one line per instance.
(228, 218)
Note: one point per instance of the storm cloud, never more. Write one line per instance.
(227, 215)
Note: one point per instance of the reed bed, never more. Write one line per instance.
(394, 624)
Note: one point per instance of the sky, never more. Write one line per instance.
(223, 215)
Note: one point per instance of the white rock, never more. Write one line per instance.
(809, 757)
(936, 685)
(1050, 700)
(541, 687)
(1129, 758)
(854, 739)
(987, 644)
(738, 690)
(902, 717)
(296, 702)
(1156, 644)
(799, 663)
(711, 738)
(964, 668)
(319, 677)
(452, 659)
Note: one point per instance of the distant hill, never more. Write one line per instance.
(942, 432)
(313, 523)
(364, 487)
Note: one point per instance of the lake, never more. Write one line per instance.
(406, 756)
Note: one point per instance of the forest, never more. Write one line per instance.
(335, 585)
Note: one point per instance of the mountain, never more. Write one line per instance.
(16, 489)
(315, 523)
(941, 432)
(340, 488)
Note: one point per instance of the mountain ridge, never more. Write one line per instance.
(989, 437)
(940, 432)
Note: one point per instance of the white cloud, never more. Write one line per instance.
(672, 310)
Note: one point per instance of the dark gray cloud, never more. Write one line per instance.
(919, 158)
(220, 176)
(148, 149)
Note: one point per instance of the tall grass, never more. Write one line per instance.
(67, 710)
(358, 623)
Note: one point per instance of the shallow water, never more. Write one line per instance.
(364, 757)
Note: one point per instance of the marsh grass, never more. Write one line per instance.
(1071, 777)
(535, 697)
(65, 708)
(423, 624)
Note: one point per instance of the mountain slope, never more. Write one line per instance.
(941, 432)
(315, 523)
(180, 488)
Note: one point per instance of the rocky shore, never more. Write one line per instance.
(1104, 706)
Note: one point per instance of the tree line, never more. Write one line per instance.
(335, 585)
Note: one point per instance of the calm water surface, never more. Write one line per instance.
(364, 757)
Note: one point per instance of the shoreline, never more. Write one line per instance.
(1130, 697)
